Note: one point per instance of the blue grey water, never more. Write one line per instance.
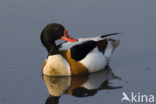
(22, 54)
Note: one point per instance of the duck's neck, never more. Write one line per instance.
(53, 49)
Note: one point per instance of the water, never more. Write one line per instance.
(22, 54)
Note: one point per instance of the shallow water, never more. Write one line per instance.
(22, 54)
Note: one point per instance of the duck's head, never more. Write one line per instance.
(53, 32)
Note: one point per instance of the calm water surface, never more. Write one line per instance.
(22, 54)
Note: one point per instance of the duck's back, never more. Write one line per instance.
(86, 57)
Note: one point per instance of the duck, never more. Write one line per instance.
(75, 56)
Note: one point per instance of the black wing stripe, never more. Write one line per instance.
(80, 51)
(103, 36)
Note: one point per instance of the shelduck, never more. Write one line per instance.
(76, 56)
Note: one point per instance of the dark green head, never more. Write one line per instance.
(50, 33)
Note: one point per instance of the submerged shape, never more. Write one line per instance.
(79, 86)
(80, 57)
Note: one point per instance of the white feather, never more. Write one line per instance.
(80, 40)
(68, 45)
(94, 61)
(91, 38)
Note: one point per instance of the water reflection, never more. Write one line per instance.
(79, 86)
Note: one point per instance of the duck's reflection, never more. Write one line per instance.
(79, 86)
